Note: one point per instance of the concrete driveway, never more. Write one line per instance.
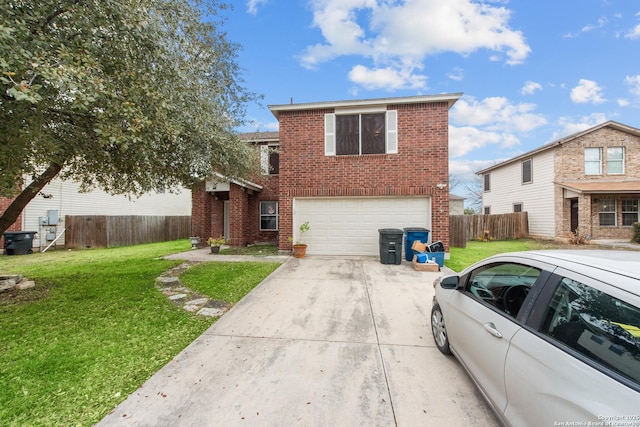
(323, 341)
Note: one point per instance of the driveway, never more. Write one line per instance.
(323, 341)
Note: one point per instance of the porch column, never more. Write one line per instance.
(238, 208)
(200, 213)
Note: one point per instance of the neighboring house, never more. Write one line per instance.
(349, 168)
(456, 205)
(46, 212)
(588, 181)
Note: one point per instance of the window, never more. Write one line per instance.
(607, 212)
(268, 216)
(615, 160)
(629, 211)
(503, 286)
(527, 176)
(593, 161)
(517, 207)
(486, 182)
(600, 327)
(487, 210)
(361, 133)
(270, 159)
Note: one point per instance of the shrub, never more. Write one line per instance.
(636, 233)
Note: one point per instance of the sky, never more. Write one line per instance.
(530, 71)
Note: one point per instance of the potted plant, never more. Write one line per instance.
(299, 248)
(215, 243)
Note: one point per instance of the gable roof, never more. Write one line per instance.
(362, 103)
(551, 145)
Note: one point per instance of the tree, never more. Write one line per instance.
(126, 95)
(474, 191)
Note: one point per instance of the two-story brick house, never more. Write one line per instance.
(349, 168)
(588, 181)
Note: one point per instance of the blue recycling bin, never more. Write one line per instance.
(411, 234)
(436, 250)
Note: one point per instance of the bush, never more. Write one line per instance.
(579, 237)
(636, 233)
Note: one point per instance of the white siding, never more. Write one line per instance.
(67, 200)
(536, 197)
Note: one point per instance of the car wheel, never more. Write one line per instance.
(439, 331)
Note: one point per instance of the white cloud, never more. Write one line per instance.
(587, 91)
(623, 102)
(402, 34)
(463, 140)
(591, 27)
(634, 82)
(456, 74)
(496, 114)
(530, 87)
(252, 6)
(634, 33)
(571, 125)
(386, 78)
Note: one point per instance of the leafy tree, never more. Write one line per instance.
(126, 95)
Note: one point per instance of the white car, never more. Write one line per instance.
(549, 337)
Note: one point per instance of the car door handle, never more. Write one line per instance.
(491, 328)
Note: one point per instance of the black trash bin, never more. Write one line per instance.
(390, 245)
(411, 234)
(18, 242)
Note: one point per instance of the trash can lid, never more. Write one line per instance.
(415, 229)
(389, 231)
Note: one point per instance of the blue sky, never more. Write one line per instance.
(530, 71)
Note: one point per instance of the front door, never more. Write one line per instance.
(574, 214)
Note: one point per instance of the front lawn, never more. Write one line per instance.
(460, 258)
(95, 328)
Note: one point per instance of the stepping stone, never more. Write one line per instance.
(211, 312)
(168, 280)
(177, 297)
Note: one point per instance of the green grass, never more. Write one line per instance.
(460, 258)
(227, 281)
(95, 328)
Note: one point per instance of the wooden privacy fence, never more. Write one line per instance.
(99, 231)
(463, 228)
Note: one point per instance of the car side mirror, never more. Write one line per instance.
(450, 282)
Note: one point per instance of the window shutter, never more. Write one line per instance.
(264, 159)
(329, 135)
(392, 132)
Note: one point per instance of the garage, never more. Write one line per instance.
(349, 225)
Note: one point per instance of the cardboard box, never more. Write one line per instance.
(418, 246)
(425, 266)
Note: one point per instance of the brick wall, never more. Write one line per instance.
(421, 164)
(569, 167)
(16, 226)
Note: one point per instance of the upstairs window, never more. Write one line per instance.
(361, 133)
(486, 182)
(607, 212)
(593, 161)
(615, 160)
(270, 159)
(527, 175)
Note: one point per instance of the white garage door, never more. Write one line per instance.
(349, 226)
